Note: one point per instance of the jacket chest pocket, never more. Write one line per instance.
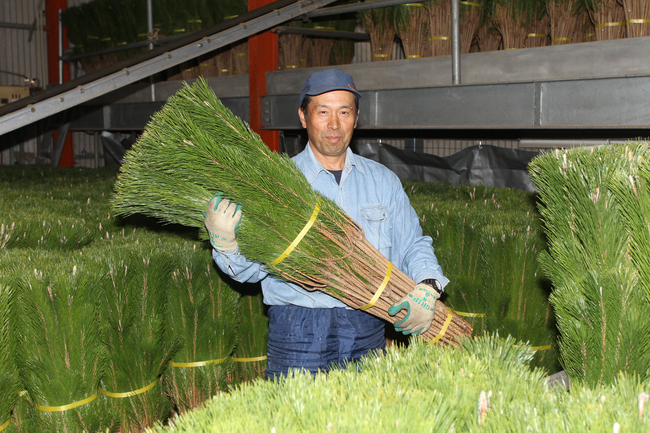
(376, 227)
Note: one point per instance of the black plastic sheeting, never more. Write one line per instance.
(482, 164)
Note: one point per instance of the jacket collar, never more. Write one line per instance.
(314, 167)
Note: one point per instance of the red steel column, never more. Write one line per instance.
(52, 27)
(262, 57)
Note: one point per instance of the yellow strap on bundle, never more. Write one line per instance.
(414, 56)
(609, 25)
(537, 35)
(389, 270)
(130, 393)
(259, 358)
(301, 235)
(443, 329)
(561, 39)
(439, 38)
(637, 21)
(197, 363)
(472, 4)
(67, 406)
(381, 55)
(541, 347)
(463, 314)
(4, 426)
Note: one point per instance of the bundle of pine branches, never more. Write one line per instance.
(250, 353)
(439, 12)
(378, 23)
(564, 18)
(608, 17)
(9, 380)
(411, 23)
(135, 329)
(203, 311)
(62, 358)
(194, 148)
(470, 16)
(593, 205)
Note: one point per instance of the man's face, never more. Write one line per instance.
(330, 122)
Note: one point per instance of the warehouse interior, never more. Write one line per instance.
(78, 107)
(517, 131)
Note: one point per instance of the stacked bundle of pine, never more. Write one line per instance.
(595, 207)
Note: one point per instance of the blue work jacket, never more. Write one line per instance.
(373, 196)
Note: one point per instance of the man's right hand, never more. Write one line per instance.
(221, 220)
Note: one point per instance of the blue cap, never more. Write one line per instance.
(326, 81)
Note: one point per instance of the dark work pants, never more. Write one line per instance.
(319, 338)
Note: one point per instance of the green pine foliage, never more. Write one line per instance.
(136, 330)
(630, 187)
(486, 386)
(600, 306)
(80, 198)
(201, 311)
(514, 290)
(63, 356)
(9, 380)
(487, 241)
(253, 335)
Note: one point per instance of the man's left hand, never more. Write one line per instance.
(420, 306)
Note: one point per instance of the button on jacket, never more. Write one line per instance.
(370, 194)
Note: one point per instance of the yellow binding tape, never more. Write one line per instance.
(460, 313)
(389, 270)
(637, 21)
(301, 235)
(291, 67)
(589, 35)
(541, 347)
(240, 54)
(443, 329)
(381, 55)
(259, 358)
(130, 393)
(561, 39)
(413, 4)
(537, 35)
(196, 364)
(67, 406)
(414, 56)
(472, 4)
(229, 17)
(324, 28)
(439, 38)
(4, 426)
(609, 25)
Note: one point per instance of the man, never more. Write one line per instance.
(313, 330)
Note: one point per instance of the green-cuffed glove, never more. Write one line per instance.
(420, 306)
(222, 220)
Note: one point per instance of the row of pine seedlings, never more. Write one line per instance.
(116, 325)
(110, 325)
(135, 323)
(589, 240)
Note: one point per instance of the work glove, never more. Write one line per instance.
(420, 306)
(222, 220)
